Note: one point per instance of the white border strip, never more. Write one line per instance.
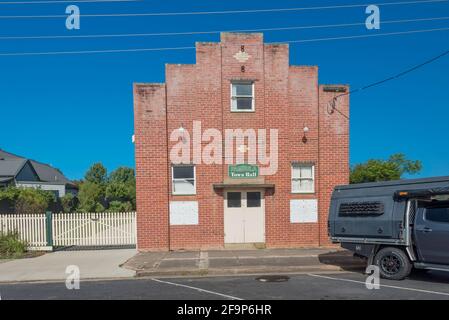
(198, 289)
(386, 286)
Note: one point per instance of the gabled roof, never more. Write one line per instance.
(49, 174)
(8, 156)
(10, 168)
(11, 164)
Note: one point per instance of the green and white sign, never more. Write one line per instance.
(243, 171)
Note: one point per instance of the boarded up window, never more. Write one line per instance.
(183, 212)
(303, 211)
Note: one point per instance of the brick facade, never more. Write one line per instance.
(287, 98)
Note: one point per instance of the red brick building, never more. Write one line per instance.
(238, 83)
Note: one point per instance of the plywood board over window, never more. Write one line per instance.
(183, 212)
(303, 211)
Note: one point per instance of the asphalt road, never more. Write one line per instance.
(343, 285)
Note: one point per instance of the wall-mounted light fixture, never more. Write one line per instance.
(304, 137)
(181, 129)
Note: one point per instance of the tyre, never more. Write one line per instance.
(393, 263)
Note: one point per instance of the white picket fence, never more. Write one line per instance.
(73, 229)
(94, 229)
(31, 227)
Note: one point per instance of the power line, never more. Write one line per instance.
(366, 35)
(215, 32)
(225, 12)
(93, 51)
(63, 1)
(192, 47)
(400, 74)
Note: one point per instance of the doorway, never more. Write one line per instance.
(244, 216)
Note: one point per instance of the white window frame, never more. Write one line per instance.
(173, 181)
(234, 98)
(299, 165)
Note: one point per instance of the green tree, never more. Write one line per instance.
(91, 197)
(121, 190)
(123, 174)
(118, 191)
(98, 192)
(383, 170)
(97, 173)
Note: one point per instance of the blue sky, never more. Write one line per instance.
(73, 110)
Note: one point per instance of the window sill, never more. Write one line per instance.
(242, 111)
(303, 222)
(183, 194)
(302, 192)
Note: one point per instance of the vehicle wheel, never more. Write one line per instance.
(393, 263)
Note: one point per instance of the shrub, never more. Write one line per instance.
(27, 200)
(69, 202)
(11, 246)
(33, 200)
(118, 206)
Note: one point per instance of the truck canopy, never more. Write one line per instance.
(377, 210)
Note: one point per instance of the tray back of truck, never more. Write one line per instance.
(370, 212)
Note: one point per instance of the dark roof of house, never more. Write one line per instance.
(11, 164)
(5, 179)
(11, 167)
(8, 156)
(47, 173)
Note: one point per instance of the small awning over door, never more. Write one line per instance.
(243, 185)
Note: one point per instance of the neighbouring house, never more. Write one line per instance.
(242, 85)
(22, 172)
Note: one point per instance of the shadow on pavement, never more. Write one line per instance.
(348, 262)
(429, 276)
(93, 247)
(343, 259)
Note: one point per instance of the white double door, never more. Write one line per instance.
(244, 216)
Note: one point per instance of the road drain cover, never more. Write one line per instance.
(272, 278)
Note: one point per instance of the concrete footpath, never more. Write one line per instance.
(93, 264)
(126, 263)
(233, 262)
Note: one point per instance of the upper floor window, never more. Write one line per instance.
(183, 180)
(242, 96)
(303, 178)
